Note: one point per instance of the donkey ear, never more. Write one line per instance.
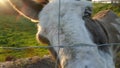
(28, 8)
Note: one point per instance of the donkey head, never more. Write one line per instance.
(61, 23)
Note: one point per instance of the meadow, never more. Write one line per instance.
(103, 6)
(16, 31)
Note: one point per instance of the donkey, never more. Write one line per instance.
(69, 23)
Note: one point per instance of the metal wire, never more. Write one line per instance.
(59, 21)
(62, 46)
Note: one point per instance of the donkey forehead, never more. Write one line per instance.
(52, 9)
(80, 2)
(71, 15)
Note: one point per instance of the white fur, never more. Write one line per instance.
(72, 31)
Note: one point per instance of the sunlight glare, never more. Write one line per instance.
(3, 2)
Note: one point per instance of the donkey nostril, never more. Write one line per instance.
(86, 66)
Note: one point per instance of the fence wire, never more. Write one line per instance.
(61, 46)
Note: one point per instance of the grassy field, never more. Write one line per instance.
(102, 6)
(16, 31)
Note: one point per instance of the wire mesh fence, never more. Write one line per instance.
(46, 61)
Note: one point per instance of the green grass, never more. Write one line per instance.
(17, 31)
(102, 6)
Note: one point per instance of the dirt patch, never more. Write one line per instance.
(34, 62)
